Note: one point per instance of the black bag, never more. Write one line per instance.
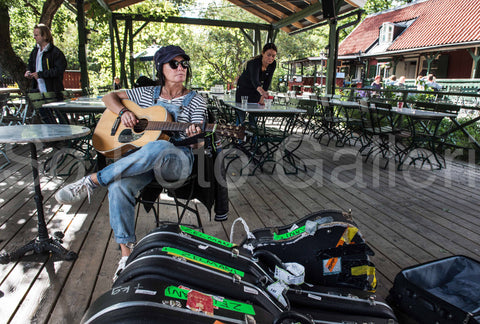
(441, 291)
(327, 243)
(156, 301)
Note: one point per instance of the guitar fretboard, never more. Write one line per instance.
(169, 126)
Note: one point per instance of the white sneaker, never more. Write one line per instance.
(76, 191)
(121, 266)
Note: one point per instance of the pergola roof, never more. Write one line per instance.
(294, 15)
(290, 16)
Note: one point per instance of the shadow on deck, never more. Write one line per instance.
(407, 217)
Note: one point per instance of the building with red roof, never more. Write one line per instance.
(426, 36)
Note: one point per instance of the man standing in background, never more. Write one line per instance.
(46, 66)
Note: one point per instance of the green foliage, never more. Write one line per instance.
(458, 137)
(429, 95)
(373, 6)
(217, 53)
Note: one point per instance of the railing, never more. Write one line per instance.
(466, 121)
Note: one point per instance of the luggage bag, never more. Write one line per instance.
(327, 243)
(442, 291)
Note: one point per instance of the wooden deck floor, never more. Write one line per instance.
(407, 217)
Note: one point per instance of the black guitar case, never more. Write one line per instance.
(352, 303)
(160, 301)
(213, 253)
(206, 275)
(327, 243)
(203, 245)
(212, 279)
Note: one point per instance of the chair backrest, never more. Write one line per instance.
(447, 108)
(67, 94)
(365, 115)
(438, 106)
(52, 96)
(309, 105)
(4, 99)
(380, 104)
(207, 182)
(227, 112)
(35, 100)
(382, 119)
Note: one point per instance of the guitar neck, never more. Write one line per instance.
(174, 126)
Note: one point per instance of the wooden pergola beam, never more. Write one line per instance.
(290, 20)
(129, 34)
(258, 14)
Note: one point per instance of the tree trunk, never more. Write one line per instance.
(10, 62)
(49, 9)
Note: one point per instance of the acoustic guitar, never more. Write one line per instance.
(112, 139)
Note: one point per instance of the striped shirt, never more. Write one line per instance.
(195, 112)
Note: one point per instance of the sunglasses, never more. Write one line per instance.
(175, 64)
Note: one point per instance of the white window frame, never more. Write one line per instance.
(386, 33)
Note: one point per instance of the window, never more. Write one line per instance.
(386, 33)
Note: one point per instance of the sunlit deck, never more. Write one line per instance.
(407, 217)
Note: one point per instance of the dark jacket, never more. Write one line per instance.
(253, 77)
(54, 64)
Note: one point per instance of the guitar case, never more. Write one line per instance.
(162, 301)
(444, 291)
(327, 243)
(189, 240)
(209, 251)
(203, 274)
(308, 305)
(353, 304)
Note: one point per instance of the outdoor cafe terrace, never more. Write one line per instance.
(407, 217)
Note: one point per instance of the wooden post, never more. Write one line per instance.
(331, 59)
(130, 52)
(475, 58)
(112, 50)
(82, 53)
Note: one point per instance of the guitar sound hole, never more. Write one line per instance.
(128, 136)
(140, 127)
(125, 136)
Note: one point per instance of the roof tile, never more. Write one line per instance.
(437, 22)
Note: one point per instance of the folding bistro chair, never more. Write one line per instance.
(207, 184)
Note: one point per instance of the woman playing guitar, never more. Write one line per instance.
(128, 175)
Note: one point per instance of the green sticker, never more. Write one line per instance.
(207, 262)
(288, 235)
(206, 237)
(179, 293)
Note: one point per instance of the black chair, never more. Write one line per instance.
(144, 81)
(378, 130)
(207, 183)
(331, 121)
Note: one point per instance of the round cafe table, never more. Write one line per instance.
(31, 135)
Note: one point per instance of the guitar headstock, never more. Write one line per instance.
(230, 131)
